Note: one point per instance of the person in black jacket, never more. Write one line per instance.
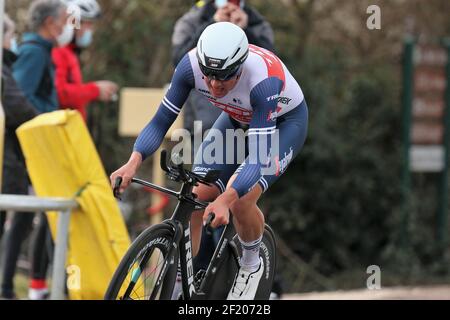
(17, 111)
(191, 25)
(34, 73)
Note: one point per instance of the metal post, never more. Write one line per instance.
(2, 113)
(408, 72)
(2, 14)
(443, 185)
(63, 206)
(59, 258)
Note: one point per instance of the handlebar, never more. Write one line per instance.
(116, 188)
(176, 173)
(179, 174)
(208, 221)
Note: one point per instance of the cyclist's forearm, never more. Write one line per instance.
(135, 160)
(153, 134)
(230, 196)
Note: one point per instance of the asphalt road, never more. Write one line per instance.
(441, 292)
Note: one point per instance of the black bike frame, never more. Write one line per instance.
(180, 221)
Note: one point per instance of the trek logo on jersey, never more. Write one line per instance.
(284, 100)
(275, 97)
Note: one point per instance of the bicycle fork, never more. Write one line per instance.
(171, 261)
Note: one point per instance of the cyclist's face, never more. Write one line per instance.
(220, 89)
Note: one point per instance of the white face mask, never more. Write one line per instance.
(14, 46)
(66, 36)
(220, 3)
(86, 40)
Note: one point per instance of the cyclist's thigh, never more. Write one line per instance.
(207, 193)
(223, 149)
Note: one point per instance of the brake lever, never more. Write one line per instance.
(208, 221)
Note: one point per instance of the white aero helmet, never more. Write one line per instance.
(89, 9)
(221, 50)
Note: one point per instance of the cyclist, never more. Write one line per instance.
(256, 92)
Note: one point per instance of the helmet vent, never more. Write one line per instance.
(235, 53)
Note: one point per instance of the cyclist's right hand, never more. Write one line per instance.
(126, 172)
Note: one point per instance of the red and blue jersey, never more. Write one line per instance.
(265, 91)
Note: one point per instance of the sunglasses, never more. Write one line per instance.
(221, 75)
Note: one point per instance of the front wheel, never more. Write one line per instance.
(138, 273)
(268, 253)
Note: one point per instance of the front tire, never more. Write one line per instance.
(141, 266)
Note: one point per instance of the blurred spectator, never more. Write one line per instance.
(17, 111)
(190, 26)
(197, 108)
(72, 92)
(34, 74)
(187, 32)
(34, 70)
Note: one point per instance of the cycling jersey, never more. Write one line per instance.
(292, 128)
(263, 74)
(264, 93)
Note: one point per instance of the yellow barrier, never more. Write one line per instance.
(62, 161)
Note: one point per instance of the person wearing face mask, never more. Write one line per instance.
(34, 74)
(72, 91)
(34, 71)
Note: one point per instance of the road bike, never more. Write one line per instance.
(148, 270)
